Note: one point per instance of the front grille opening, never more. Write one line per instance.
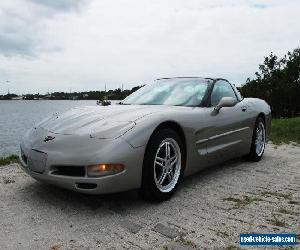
(78, 171)
(86, 185)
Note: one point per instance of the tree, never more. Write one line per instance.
(277, 82)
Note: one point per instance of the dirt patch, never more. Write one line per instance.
(209, 209)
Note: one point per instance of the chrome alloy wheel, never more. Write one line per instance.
(260, 139)
(167, 165)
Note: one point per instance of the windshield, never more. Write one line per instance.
(179, 92)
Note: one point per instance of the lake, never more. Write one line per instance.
(16, 117)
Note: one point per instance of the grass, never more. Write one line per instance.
(219, 233)
(289, 248)
(8, 160)
(181, 239)
(294, 202)
(287, 211)
(232, 247)
(183, 242)
(287, 196)
(285, 130)
(240, 203)
(276, 222)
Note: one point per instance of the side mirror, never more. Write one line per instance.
(226, 102)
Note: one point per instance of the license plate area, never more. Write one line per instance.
(37, 161)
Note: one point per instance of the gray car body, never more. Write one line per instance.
(120, 134)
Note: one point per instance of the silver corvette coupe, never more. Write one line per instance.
(171, 128)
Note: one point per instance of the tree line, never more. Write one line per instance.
(278, 83)
(116, 94)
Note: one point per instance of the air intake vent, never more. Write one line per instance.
(78, 171)
(86, 185)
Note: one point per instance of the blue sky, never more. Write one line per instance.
(58, 45)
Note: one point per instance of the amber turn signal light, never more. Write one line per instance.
(104, 169)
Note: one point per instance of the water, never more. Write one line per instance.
(16, 117)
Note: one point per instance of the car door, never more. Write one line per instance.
(228, 129)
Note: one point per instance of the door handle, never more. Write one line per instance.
(244, 108)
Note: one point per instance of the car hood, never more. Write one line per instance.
(97, 121)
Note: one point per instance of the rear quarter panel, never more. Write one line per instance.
(259, 106)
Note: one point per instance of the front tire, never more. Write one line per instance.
(163, 165)
(258, 141)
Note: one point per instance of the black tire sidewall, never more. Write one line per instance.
(149, 189)
(253, 156)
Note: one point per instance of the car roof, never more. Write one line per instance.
(192, 77)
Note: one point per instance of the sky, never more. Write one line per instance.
(81, 45)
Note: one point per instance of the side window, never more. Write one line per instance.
(221, 89)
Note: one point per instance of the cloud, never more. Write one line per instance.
(260, 6)
(15, 33)
(46, 45)
(60, 5)
(15, 44)
(22, 23)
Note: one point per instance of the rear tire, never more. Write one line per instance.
(258, 141)
(163, 165)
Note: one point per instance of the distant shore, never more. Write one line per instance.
(116, 94)
(42, 99)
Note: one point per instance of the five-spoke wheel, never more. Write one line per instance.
(167, 165)
(163, 165)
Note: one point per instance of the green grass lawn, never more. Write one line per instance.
(8, 160)
(285, 130)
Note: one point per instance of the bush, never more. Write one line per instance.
(8, 160)
(277, 82)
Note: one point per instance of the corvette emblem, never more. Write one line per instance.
(49, 138)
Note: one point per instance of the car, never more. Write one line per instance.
(171, 128)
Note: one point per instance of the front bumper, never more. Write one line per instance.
(75, 151)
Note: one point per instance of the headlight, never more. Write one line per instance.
(104, 169)
(110, 130)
